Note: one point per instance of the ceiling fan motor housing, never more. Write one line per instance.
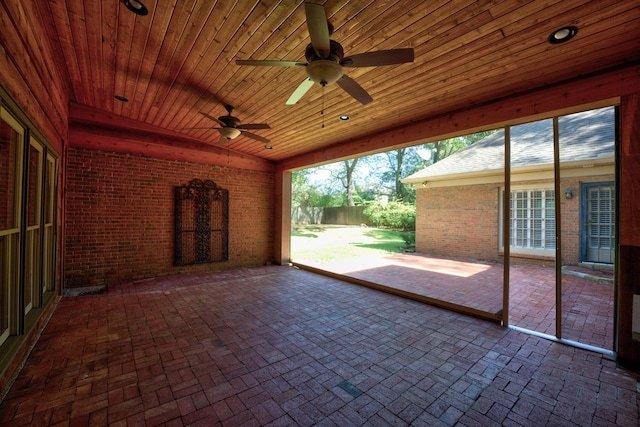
(230, 121)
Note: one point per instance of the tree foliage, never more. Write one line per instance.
(401, 163)
(363, 180)
(443, 149)
(306, 194)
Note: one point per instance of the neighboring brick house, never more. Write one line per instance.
(459, 199)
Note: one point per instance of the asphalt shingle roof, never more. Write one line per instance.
(584, 136)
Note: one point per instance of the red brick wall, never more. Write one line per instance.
(458, 221)
(120, 216)
(463, 221)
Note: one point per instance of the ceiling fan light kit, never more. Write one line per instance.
(324, 72)
(231, 127)
(229, 133)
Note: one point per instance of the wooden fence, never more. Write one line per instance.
(343, 215)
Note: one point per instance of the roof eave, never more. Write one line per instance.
(577, 164)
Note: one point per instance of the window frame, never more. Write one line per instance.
(528, 250)
(12, 236)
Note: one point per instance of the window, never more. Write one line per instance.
(532, 223)
(11, 142)
(27, 272)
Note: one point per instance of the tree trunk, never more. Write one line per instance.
(349, 168)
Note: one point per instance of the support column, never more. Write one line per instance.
(628, 330)
(282, 243)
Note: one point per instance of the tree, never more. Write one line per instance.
(314, 187)
(401, 163)
(359, 180)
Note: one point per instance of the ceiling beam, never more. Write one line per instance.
(596, 91)
(100, 130)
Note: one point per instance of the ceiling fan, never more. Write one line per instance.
(232, 127)
(325, 59)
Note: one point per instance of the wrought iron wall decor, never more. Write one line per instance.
(202, 223)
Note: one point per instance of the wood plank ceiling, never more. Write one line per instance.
(179, 60)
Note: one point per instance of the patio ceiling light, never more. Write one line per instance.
(563, 35)
(136, 7)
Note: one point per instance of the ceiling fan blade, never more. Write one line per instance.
(254, 136)
(196, 128)
(380, 57)
(255, 126)
(300, 91)
(318, 29)
(270, 63)
(222, 139)
(354, 89)
(208, 116)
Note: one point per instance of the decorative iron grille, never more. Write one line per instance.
(202, 223)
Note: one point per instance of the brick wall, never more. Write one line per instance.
(463, 221)
(120, 216)
(458, 221)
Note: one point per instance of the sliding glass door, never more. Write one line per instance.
(562, 227)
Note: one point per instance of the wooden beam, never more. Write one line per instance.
(593, 92)
(627, 335)
(100, 130)
(630, 171)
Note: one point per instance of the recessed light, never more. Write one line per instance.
(268, 147)
(344, 117)
(121, 98)
(136, 7)
(563, 35)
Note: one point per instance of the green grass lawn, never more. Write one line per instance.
(331, 243)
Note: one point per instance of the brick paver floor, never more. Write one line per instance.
(588, 305)
(281, 346)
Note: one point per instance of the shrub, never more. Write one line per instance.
(409, 238)
(401, 216)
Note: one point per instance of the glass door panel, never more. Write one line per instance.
(32, 292)
(48, 251)
(587, 171)
(599, 222)
(11, 138)
(452, 259)
(532, 228)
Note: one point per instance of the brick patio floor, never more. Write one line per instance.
(588, 305)
(280, 346)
